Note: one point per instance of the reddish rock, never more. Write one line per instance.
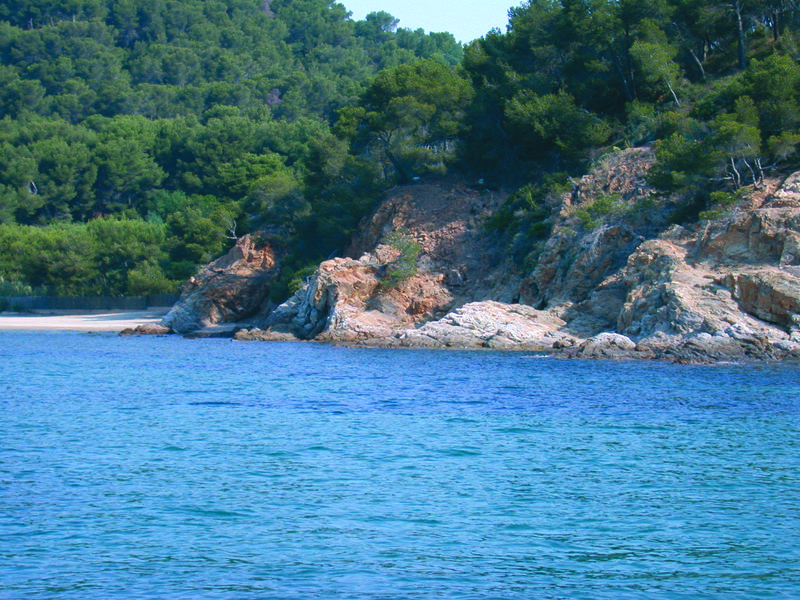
(147, 329)
(613, 280)
(230, 289)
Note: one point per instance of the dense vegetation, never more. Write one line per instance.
(139, 138)
(713, 85)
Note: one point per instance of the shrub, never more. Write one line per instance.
(600, 211)
(14, 288)
(405, 265)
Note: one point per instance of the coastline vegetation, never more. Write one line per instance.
(138, 139)
(405, 265)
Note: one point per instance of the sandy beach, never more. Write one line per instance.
(94, 321)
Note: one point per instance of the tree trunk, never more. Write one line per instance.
(737, 7)
(402, 174)
(698, 62)
(672, 91)
(626, 86)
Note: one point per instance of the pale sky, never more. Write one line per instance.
(465, 19)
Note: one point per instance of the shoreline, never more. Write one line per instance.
(97, 321)
(121, 321)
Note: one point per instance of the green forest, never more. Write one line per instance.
(138, 140)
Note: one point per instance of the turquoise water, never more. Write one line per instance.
(169, 468)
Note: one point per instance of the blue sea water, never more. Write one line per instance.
(171, 468)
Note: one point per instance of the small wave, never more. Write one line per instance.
(460, 452)
(514, 430)
(210, 512)
(461, 420)
(215, 403)
(319, 448)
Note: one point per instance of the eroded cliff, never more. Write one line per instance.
(613, 279)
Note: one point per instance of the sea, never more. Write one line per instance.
(161, 467)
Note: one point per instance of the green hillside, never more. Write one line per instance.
(139, 138)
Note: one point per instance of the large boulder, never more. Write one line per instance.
(230, 289)
(604, 345)
(772, 296)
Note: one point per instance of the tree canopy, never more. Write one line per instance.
(179, 124)
(169, 127)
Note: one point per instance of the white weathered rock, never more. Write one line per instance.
(605, 345)
(488, 325)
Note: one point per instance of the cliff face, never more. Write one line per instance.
(354, 300)
(726, 288)
(612, 280)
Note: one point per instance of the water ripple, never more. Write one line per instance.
(298, 471)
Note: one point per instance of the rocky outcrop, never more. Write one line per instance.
(447, 218)
(613, 280)
(230, 289)
(725, 290)
(578, 258)
(355, 300)
(346, 301)
(489, 325)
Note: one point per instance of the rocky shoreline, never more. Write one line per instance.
(700, 348)
(628, 286)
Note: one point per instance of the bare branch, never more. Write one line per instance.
(231, 235)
